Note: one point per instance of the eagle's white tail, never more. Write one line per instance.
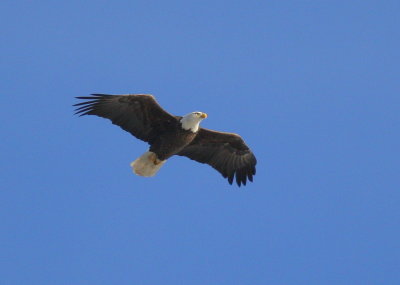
(147, 165)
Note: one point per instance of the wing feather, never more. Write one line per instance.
(225, 152)
(138, 114)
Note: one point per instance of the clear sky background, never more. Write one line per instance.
(312, 86)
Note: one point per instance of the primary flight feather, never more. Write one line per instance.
(168, 135)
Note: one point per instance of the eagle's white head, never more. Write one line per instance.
(192, 121)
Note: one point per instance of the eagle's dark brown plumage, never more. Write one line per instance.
(143, 117)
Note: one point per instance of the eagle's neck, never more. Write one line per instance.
(190, 123)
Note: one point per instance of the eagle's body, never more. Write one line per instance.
(172, 140)
(169, 135)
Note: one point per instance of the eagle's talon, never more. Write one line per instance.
(154, 159)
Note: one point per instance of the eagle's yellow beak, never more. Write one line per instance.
(203, 115)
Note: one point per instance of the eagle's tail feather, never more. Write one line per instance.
(147, 165)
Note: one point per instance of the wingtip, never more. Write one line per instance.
(80, 114)
(101, 94)
(250, 177)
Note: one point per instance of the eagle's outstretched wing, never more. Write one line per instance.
(138, 114)
(226, 152)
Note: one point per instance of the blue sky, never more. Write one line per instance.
(312, 86)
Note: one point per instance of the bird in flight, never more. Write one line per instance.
(168, 135)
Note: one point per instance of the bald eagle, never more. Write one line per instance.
(168, 135)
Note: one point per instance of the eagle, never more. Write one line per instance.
(168, 135)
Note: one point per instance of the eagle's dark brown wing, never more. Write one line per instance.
(226, 152)
(138, 114)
